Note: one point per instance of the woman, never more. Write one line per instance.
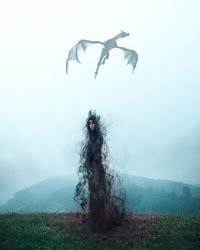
(95, 189)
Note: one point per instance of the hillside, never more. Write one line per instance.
(142, 195)
(66, 231)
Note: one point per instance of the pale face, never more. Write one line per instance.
(91, 125)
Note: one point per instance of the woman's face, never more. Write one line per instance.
(91, 125)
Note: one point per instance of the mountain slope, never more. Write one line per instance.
(142, 195)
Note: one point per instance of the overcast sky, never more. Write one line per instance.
(152, 115)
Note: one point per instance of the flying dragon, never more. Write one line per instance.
(130, 55)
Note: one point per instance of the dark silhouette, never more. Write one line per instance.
(98, 191)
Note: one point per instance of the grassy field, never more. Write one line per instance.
(66, 231)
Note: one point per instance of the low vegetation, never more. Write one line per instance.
(67, 231)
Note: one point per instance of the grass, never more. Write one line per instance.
(66, 231)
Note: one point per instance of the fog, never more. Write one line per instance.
(152, 115)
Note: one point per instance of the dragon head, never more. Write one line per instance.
(124, 34)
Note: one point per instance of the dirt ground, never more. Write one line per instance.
(132, 226)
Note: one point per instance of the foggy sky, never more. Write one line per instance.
(152, 115)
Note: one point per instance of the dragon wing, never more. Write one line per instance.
(131, 56)
(73, 53)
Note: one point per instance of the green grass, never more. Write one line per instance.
(50, 231)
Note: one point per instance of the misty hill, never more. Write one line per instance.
(142, 195)
(160, 184)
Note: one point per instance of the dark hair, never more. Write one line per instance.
(96, 119)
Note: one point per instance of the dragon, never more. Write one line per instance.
(130, 55)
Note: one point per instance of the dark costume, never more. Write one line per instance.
(96, 190)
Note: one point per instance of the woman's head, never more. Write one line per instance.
(92, 122)
(91, 125)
